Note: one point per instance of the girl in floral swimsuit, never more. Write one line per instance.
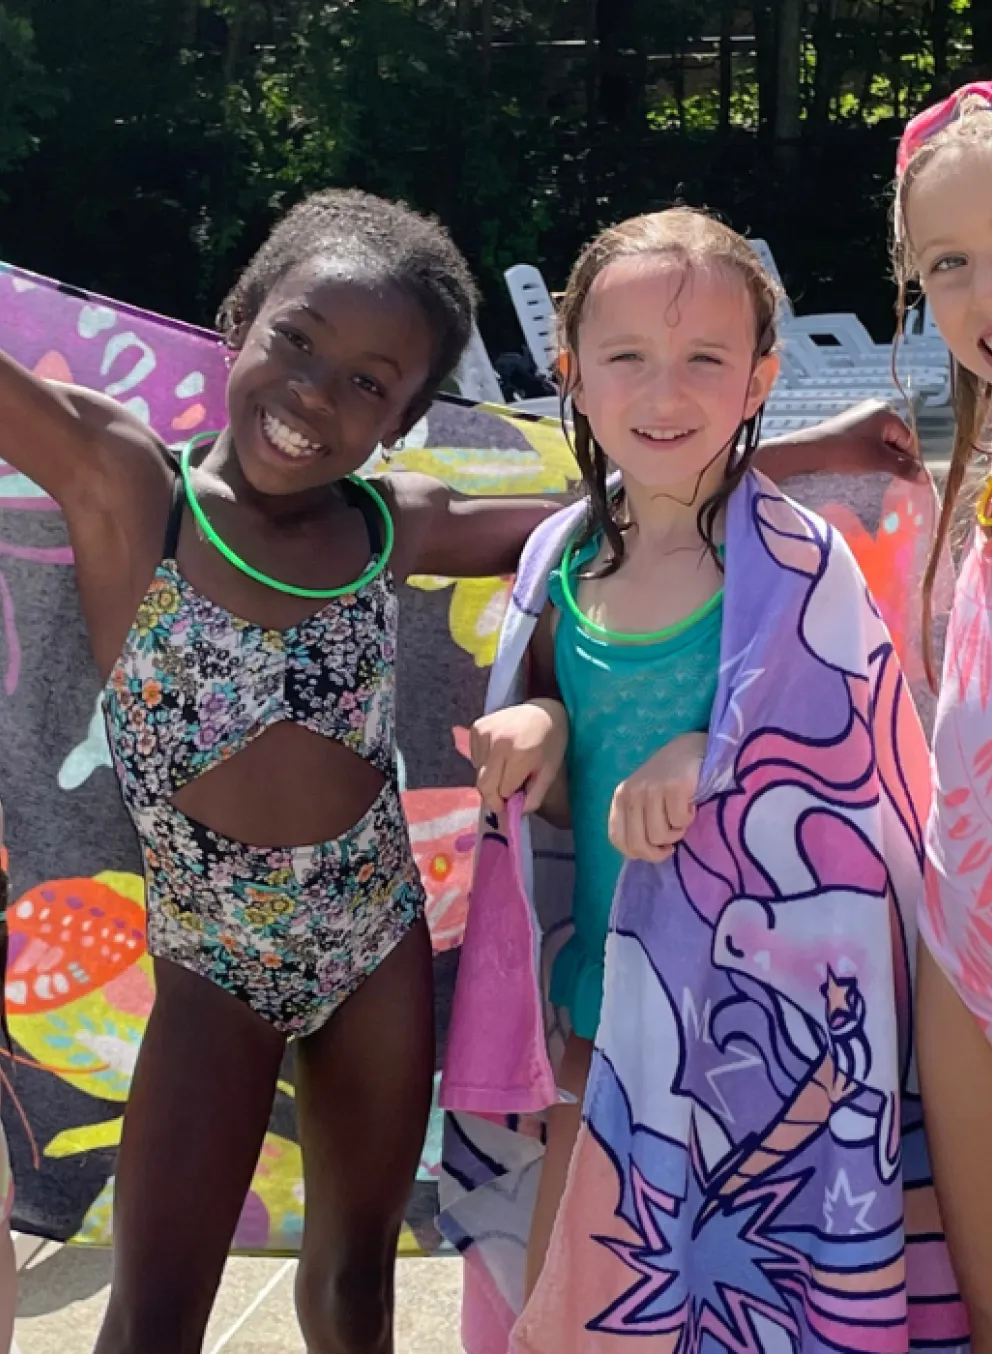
(242, 610)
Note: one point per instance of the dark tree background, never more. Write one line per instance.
(147, 145)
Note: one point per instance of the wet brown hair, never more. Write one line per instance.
(693, 238)
(971, 396)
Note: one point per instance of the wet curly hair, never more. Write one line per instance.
(415, 253)
(693, 239)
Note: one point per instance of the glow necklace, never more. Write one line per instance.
(373, 571)
(621, 636)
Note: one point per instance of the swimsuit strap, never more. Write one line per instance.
(357, 497)
(354, 496)
(175, 519)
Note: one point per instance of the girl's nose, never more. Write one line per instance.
(663, 382)
(315, 399)
(982, 278)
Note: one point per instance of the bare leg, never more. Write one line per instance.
(8, 1289)
(363, 1098)
(956, 1078)
(563, 1129)
(199, 1108)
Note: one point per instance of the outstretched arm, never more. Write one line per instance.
(468, 537)
(73, 442)
(444, 532)
(868, 437)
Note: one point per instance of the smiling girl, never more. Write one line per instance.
(242, 610)
(943, 240)
(668, 325)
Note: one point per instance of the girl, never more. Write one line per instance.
(668, 401)
(242, 609)
(943, 241)
(744, 777)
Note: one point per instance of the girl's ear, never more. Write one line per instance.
(568, 375)
(762, 379)
(234, 339)
(414, 413)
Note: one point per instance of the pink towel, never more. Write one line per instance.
(508, 1072)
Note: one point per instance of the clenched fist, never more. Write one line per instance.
(522, 747)
(653, 808)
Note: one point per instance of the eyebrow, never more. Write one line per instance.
(370, 356)
(631, 339)
(613, 340)
(941, 242)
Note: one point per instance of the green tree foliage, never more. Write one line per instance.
(147, 145)
(26, 92)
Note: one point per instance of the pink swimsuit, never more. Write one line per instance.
(956, 921)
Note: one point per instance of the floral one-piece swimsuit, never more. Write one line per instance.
(292, 931)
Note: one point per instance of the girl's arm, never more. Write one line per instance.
(469, 537)
(444, 532)
(955, 1060)
(865, 438)
(73, 442)
(522, 747)
(542, 684)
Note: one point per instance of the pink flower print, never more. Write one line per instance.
(151, 692)
(212, 704)
(207, 736)
(137, 723)
(221, 873)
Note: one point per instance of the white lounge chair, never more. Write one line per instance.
(476, 376)
(807, 369)
(923, 368)
(535, 312)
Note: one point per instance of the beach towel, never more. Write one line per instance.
(77, 1028)
(751, 1173)
(76, 1019)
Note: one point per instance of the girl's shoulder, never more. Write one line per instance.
(411, 500)
(109, 423)
(128, 463)
(578, 554)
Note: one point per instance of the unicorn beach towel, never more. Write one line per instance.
(751, 1173)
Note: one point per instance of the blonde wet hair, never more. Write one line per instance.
(971, 397)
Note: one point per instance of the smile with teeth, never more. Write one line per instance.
(663, 434)
(288, 440)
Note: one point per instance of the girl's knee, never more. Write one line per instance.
(345, 1306)
(155, 1322)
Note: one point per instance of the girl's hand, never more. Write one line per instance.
(652, 810)
(867, 438)
(516, 748)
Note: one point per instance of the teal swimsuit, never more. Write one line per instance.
(624, 703)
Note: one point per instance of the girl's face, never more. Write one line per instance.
(331, 368)
(666, 364)
(949, 224)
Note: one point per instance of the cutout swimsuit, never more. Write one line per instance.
(292, 931)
